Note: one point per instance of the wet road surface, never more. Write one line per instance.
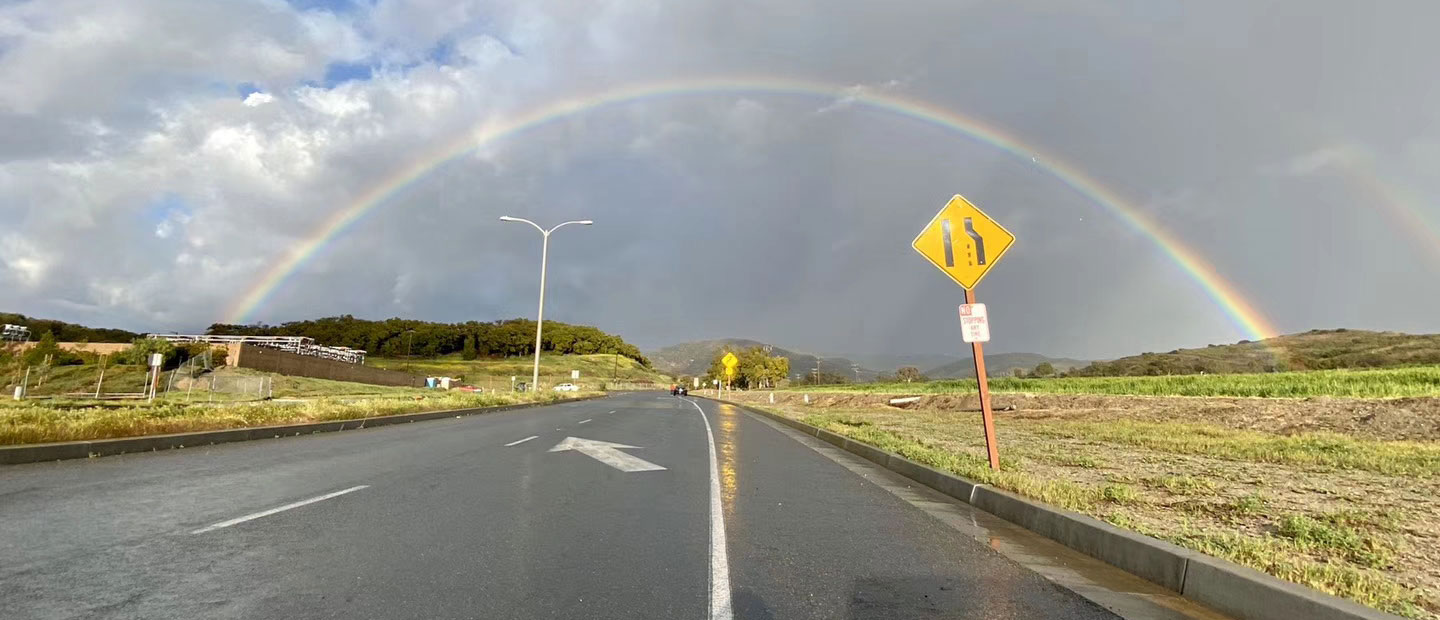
(611, 508)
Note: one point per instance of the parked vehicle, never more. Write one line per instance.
(567, 387)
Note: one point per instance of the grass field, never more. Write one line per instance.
(595, 370)
(60, 409)
(307, 400)
(1353, 516)
(1379, 383)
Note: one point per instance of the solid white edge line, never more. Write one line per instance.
(516, 443)
(266, 513)
(720, 604)
(585, 420)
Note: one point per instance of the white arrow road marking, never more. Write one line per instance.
(266, 513)
(607, 453)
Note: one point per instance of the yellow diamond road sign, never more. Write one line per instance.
(730, 361)
(963, 242)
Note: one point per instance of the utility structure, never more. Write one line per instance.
(15, 333)
(544, 258)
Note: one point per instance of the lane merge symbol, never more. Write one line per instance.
(963, 242)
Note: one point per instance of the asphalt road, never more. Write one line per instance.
(443, 519)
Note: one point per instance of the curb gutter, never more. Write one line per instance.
(1224, 586)
(35, 453)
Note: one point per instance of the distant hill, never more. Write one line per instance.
(693, 358)
(1312, 350)
(1001, 364)
(889, 363)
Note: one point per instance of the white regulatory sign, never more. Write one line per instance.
(974, 323)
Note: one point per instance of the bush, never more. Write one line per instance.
(141, 349)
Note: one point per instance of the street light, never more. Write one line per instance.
(544, 256)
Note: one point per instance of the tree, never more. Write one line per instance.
(909, 374)
(1018, 372)
(1044, 369)
(49, 350)
(469, 352)
(822, 378)
(756, 368)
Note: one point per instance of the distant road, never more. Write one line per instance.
(598, 509)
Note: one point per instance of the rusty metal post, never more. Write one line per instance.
(992, 449)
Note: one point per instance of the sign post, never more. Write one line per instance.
(156, 360)
(964, 242)
(730, 362)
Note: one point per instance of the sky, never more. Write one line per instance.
(160, 159)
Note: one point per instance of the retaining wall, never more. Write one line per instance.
(271, 360)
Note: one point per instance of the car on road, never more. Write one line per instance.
(567, 387)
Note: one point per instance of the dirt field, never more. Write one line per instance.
(1338, 494)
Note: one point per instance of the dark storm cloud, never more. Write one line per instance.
(1239, 128)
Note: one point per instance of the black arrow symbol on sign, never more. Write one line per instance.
(979, 241)
(949, 247)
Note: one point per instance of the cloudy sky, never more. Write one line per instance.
(159, 157)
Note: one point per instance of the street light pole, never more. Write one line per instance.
(544, 259)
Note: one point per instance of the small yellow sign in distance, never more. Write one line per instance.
(730, 361)
(963, 242)
(729, 372)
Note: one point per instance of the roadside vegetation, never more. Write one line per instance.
(597, 371)
(1376, 383)
(297, 400)
(1355, 516)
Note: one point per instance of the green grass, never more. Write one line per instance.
(1379, 383)
(1182, 485)
(1341, 552)
(1289, 559)
(61, 380)
(594, 369)
(1363, 548)
(1311, 449)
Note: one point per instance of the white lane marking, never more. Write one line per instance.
(611, 411)
(586, 420)
(516, 443)
(720, 604)
(607, 453)
(266, 513)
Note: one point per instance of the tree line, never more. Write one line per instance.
(409, 338)
(66, 332)
(756, 369)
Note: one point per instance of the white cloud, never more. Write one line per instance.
(1318, 160)
(23, 259)
(258, 99)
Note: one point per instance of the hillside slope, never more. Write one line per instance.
(1312, 350)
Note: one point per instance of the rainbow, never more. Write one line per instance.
(1399, 207)
(1240, 312)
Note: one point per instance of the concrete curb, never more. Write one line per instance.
(1229, 588)
(35, 453)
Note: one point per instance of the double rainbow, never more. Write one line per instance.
(1240, 311)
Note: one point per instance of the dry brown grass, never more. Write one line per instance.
(1358, 517)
